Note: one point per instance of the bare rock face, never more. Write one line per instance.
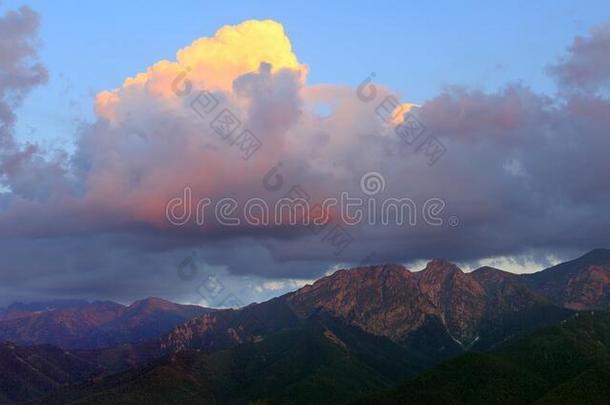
(580, 284)
(505, 292)
(440, 307)
(438, 311)
(459, 299)
(383, 300)
(394, 302)
(588, 289)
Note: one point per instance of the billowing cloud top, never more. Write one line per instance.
(212, 63)
(587, 66)
(522, 173)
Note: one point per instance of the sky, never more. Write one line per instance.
(516, 93)
(417, 48)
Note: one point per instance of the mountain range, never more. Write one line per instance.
(76, 324)
(382, 333)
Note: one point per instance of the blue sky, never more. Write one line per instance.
(414, 47)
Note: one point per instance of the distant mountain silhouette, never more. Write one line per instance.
(81, 324)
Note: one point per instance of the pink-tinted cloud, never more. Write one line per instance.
(587, 65)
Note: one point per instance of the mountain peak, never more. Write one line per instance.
(365, 272)
(153, 302)
(489, 272)
(598, 255)
(156, 300)
(570, 282)
(441, 267)
(488, 269)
